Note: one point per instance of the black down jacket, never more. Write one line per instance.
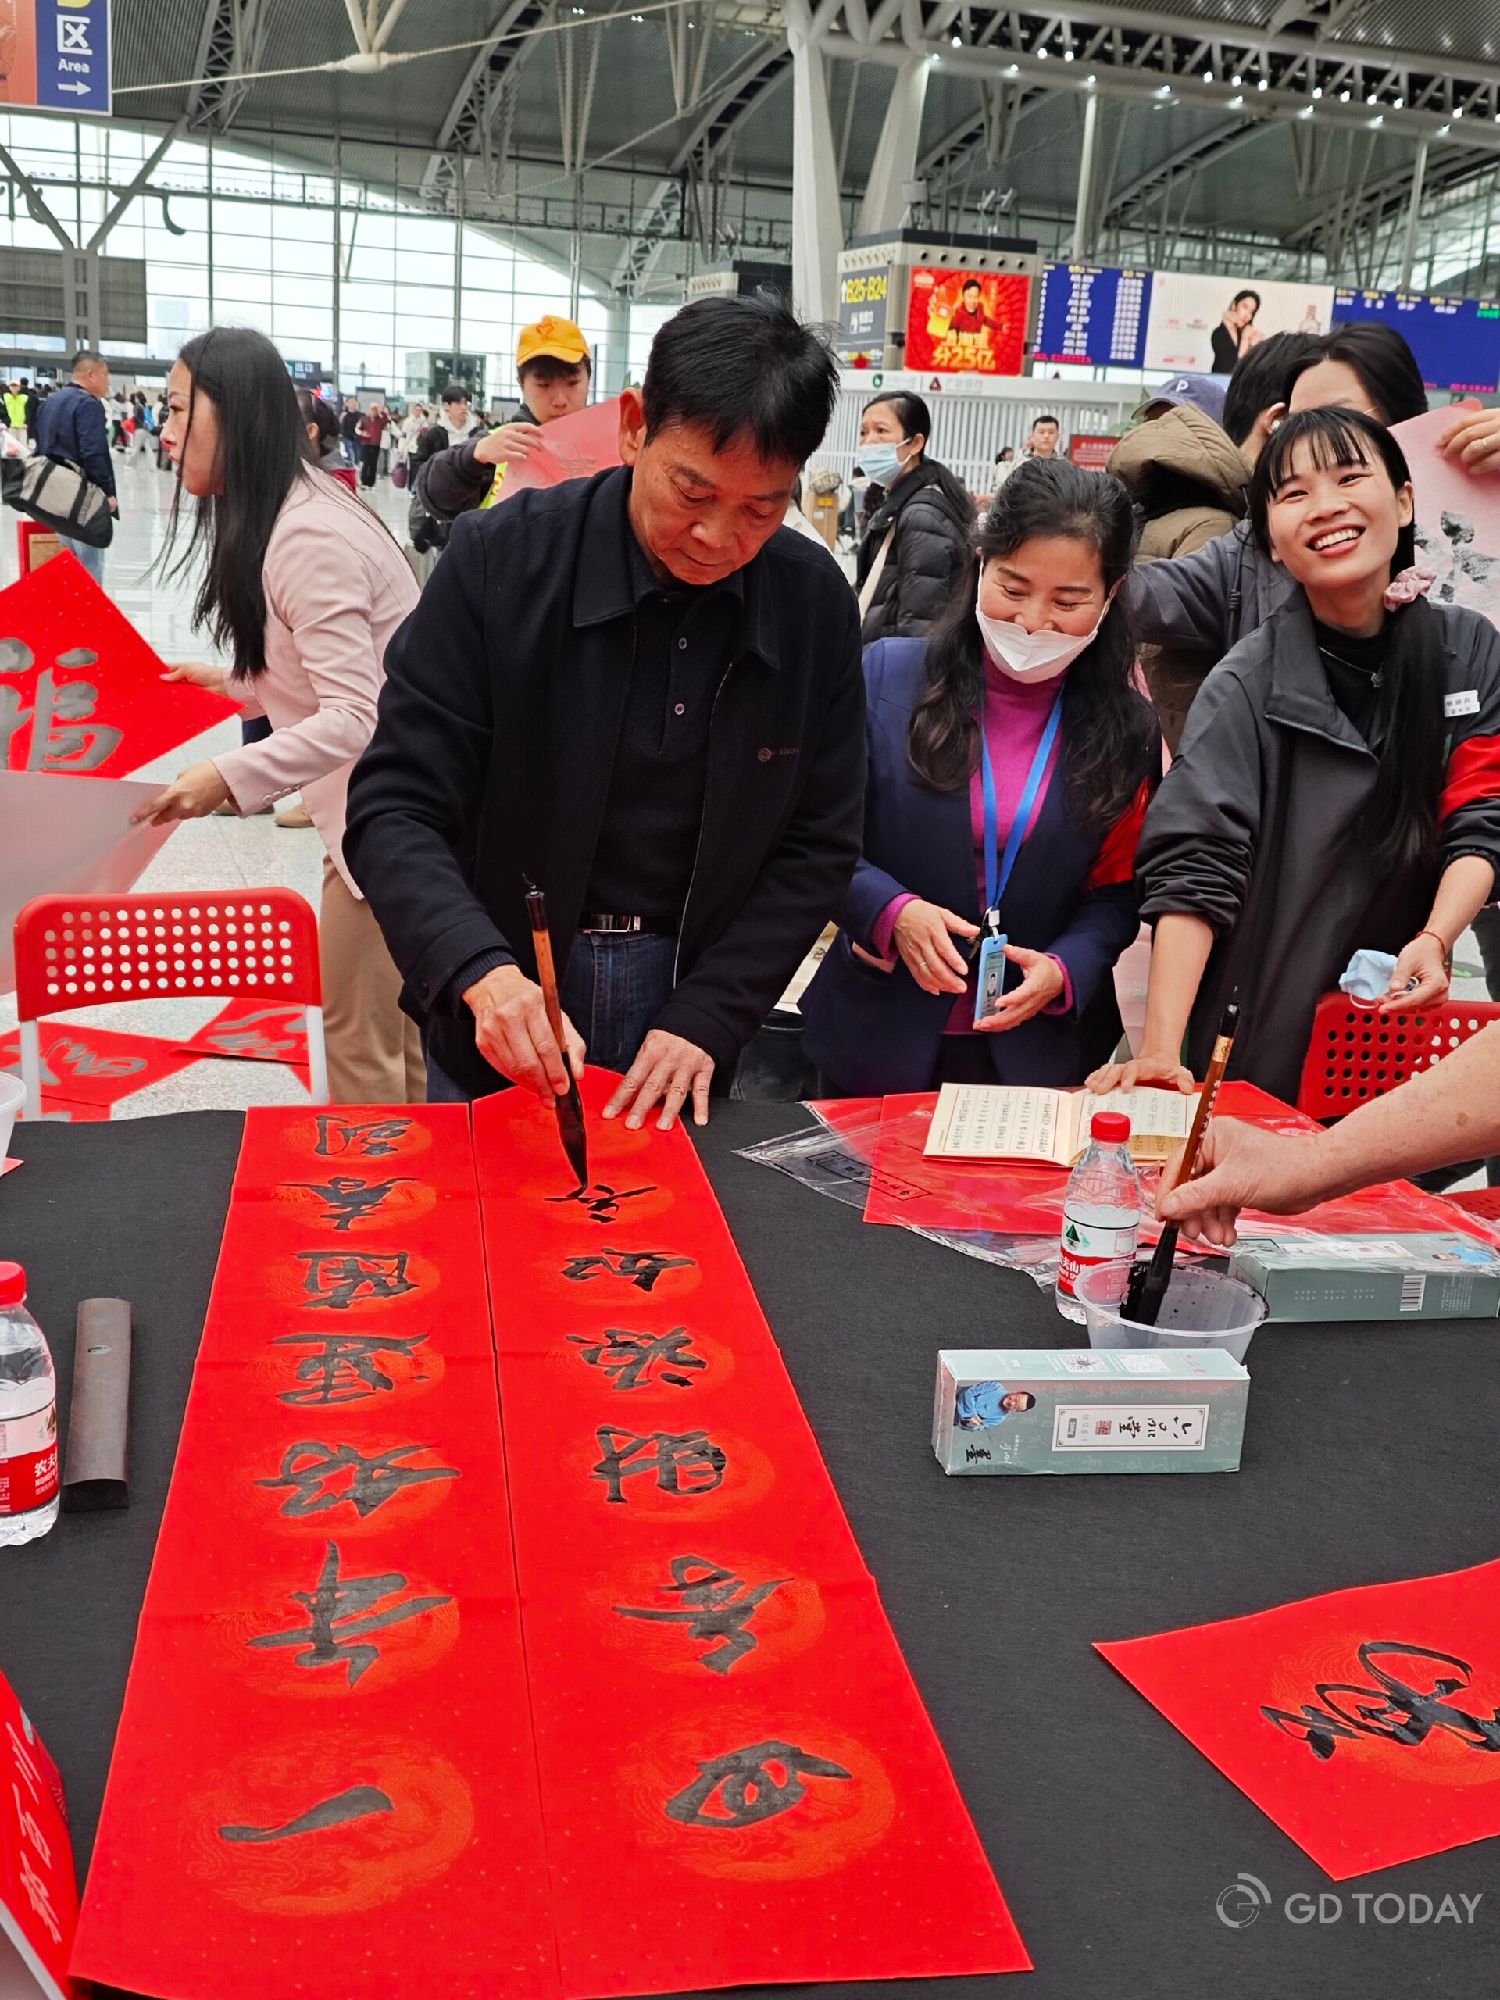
(933, 543)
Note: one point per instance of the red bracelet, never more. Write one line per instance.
(1443, 946)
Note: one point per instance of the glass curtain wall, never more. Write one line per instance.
(364, 285)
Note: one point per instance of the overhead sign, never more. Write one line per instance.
(967, 322)
(1456, 341)
(863, 299)
(56, 53)
(1094, 313)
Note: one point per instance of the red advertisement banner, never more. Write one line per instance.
(1364, 1723)
(80, 690)
(712, 1670)
(324, 1780)
(966, 322)
(38, 1892)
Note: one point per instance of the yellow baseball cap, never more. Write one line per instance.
(551, 339)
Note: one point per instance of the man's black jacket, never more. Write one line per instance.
(493, 753)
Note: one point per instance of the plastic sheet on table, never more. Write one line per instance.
(914, 1192)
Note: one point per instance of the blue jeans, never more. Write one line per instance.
(91, 558)
(612, 992)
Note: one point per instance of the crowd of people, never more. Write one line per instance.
(707, 743)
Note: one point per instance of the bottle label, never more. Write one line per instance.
(28, 1461)
(1086, 1244)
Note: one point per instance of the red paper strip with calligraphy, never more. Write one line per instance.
(95, 1065)
(740, 1782)
(324, 1780)
(1364, 1722)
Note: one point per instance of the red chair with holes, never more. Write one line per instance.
(234, 944)
(1356, 1054)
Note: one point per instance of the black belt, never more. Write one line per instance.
(620, 926)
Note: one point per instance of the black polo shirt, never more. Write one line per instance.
(683, 640)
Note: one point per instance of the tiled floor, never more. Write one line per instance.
(209, 853)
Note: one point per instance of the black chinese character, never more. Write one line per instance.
(340, 1614)
(309, 1472)
(722, 1606)
(339, 1279)
(685, 1464)
(346, 1368)
(376, 1139)
(358, 1802)
(640, 1268)
(1392, 1710)
(752, 1792)
(351, 1199)
(631, 1359)
(601, 1203)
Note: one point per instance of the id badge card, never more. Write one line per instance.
(993, 966)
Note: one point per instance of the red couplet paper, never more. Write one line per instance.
(573, 447)
(910, 1189)
(80, 690)
(1365, 1723)
(739, 1781)
(323, 1782)
(256, 1031)
(95, 1065)
(38, 1891)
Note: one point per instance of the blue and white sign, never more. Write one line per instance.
(72, 55)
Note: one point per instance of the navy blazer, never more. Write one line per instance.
(872, 1033)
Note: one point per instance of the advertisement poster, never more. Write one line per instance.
(1202, 325)
(863, 297)
(967, 322)
(55, 53)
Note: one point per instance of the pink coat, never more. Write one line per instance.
(337, 586)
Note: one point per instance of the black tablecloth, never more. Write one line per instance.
(1369, 1456)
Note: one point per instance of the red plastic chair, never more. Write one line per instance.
(238, 944)
(1356, 1054)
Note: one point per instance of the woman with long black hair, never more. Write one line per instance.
(1338, 787)
(918, 532)
(1010, 763)
(303, 586)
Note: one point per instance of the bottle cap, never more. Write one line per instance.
(12, 1285)
(1113, 1127)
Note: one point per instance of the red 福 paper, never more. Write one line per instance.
(95, 1066)
(255, 1031)
(573, 447)
(1364, 1723)
(919, 1192)
(739, 1781)
(81, 692)
(323, 1782)
(38, 1890)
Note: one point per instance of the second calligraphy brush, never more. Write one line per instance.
(569, 1106)
(1148, 1281)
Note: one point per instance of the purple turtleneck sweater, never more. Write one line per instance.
(1015, 715)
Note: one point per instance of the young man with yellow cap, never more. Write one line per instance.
(554, 368)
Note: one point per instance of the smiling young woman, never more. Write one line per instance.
(1338, 786)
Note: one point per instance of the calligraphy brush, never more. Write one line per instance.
(569, 1107)
(1149, 1281)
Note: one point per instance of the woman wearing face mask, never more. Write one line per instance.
(919, 523)
(1010, 763)
(1338, 788)
(303, 585)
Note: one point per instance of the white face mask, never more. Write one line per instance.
(1031, 656)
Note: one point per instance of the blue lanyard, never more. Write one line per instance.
(996, 878)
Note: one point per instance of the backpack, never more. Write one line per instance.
(55, 492)
(426, 530)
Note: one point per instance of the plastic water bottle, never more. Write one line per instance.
(28, 1418)
(1101, 1210)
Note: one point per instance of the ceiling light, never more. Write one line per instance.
(1343, 97)
(1208, 76)
(1236, 81)
(1013, 70)
(1378, 119)
(1165, 90)
(1306, 111)
(1458, 111)
(1399, 102)
(1317, 90)
(1067, 55)
(1090, 80)
(1263, 84)
(1443, 131)
(1235, 103)
(957, 42)
(1372, 98)
(1043, 54)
